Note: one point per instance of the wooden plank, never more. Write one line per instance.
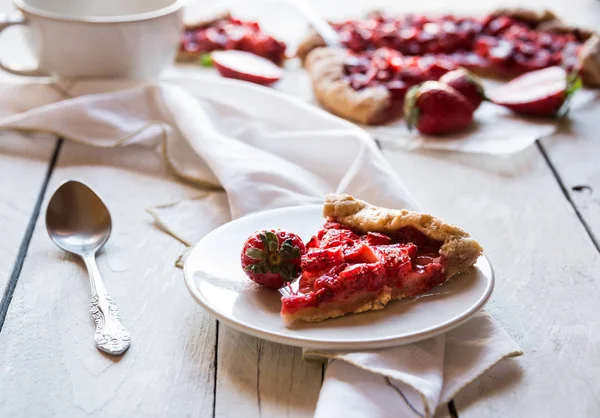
(547, 282)
(575, 155)
(139, 392)
(257, 378)
(49, 364)
(23, 166)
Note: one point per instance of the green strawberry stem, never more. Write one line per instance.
(206, 60)
(274, 259)
(411, 113)
(574, 83)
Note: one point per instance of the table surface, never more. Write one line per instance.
(537, 214)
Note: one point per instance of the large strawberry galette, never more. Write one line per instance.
(385, 55)
(365, 256)
(224, 32)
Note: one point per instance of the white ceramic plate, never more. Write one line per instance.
(214, 277)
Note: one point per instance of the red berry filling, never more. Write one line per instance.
(393, 70)
(228, 34)
(400, 52)
(340, 265)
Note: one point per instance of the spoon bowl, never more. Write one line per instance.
(77, 219)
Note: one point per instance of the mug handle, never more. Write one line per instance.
(18, 19)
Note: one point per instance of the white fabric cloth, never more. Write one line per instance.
(268, 150)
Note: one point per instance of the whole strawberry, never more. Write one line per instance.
(272, 257)
(435, 108)
(466, 84)
(544, 92)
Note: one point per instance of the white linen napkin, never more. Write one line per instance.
(268, 150)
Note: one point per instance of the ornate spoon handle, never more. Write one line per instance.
(111, 336)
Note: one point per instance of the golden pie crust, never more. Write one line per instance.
(544, 20)
(326, 69)
(459, 249)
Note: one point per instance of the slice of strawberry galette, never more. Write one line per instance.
(365, 256)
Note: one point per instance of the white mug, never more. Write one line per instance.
(98, 38)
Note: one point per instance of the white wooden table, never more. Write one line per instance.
(537, 214)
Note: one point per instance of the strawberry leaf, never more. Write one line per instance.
(273, 242)
(258, 268)
(288, 272)
(288, 251)
(265, 241)
(256, 253)
(285, 273)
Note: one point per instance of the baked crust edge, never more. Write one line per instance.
(325, 67)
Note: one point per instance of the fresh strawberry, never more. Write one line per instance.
(272, 257)
(435, 108)
(544, 92)
(246, 66)
(466, 84)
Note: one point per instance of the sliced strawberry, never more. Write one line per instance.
(337, 237)
(322, 259)
(397, 259)
(362, 253)
(247, 67)
(544, 92)
(365, 276)
(313, 243)
(375, 238)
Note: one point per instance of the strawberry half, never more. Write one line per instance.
(246, 67)
(467, 84)
(435, 108)
(272, 257)
(544, 92)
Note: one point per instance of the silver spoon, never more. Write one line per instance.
(78, 221)
(318, 23)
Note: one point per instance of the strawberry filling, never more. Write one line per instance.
(393, 70)
(233, 34)
(341, 267)
(401, 52)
